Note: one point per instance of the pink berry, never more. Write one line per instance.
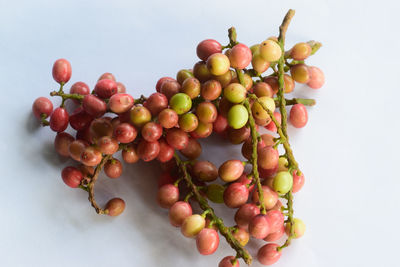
(240, 56)
(125, 133)
(268, 157)
(275, 236)
(208, 47)
(62, 71)
(107, 75)
(245, 213)
(161, 80)
(80, 119)
(148, 151)
(178, 212)
(59, 120)
(270, 197)
(156, 103)
(298, 116)
(259, 226)
(298, 182)
(268, 254)
(166, 151)
(167, 195)
(275, 220)
(207, 241)
(105, 88)
(71, 176)
(227, 262)
(235, 195)
(80, 88)
(94, 106)
(271, 126)
(42, 105)
(120, 103)
(62, 142)
(317, 77)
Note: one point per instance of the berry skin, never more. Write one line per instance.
(62, 71)
(148, 151)
(270, 197)
(207, 241)
(59, 120)
(105, 88)
(298, 181)
(317, 77)
(298, 115)
(140, 115)
(160, 82)
(72, 176)
(205, 171)
(42, 106)
(167, 196)
(270, 51)
(113, 168)
(168, 118)
(299, 228)
(120, 103)
(231, 170)
(62, 143)
(283, 182)
(115, 207)
(259, 226)
(107, 75)
(215, 193)
(180, 103)
(191, 87)
(156, 103)
(237, 116)
(178, 212)
(240, 56)
(218, 64)
(245, 213)
(94, 106)
(192, 225)
(300, 51)
(235, 195)
(208, 47)
(268, 254)
(235, 93)
(300, 73)
(227, 262)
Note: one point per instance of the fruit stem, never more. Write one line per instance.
(294, 101)
(241, 251)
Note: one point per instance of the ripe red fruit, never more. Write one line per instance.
(113, 168)
(245, 213)
(161, 80)
(129, 154)
(80, 88)
(156, 103)
(120, 103)
(62, 71)
(177, 138)
(91, 156)
(125, 133)
(275, 220)
(94, 106)
(62, 143)
(166, 151)
(178, 212)
(235, 195)
(207, 241)
(317, 78)
(240, 56)
(167, 195)
(80, 119)
(298, 181)
(59, 120)
(148, 151)
(298, 116)
(151, 131)
(259, 226)
(71, 176)
(208, 47)
(268, 157)
(165, 178)
(107, 75)
(42, 105)
(271, 126)
(220, 125)
(105, 88)
(76, 148)
(270, 197)
(268, 254)
(227, 262)
(115, 207)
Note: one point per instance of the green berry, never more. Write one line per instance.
(237, 116)
(181, 103)
(283, 182)
(215, 193)
(235, 93)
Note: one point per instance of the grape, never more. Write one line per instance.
(181, 103)
(156, 103)
(148, 151)
(206, 112)
(267, 173)
(192, 150)
(182, 75)
(107, 75)
(247, 81)
(192, 225)
(298, 116)
(215, 193)
(151, 131)
(94, 106)
(270, 50)
(86, 170)
(224, 106)
(235, 93)
(223, 79)
(235, 195)
(271, 126)
(62, 71)
(273, 82)
(211, 90)
(42, 105)
(140, 115)
(244, 179)
(91, 156)
(59, 120)
(237, 116)
(317, 77)
(299, 228)
(168, 118)
(262, 89)
(62, 143)
(160, 82)
(240, 56)
(201, 72)
(259, 63)
(129, 154)
(167, 195)
(191, 87)
(120, 103)
(105, 88)
(300, 73)
(170, 88)
(241, 235)
(113, 168)
(218, 64)
(270, 197)
(207, 241)
(188, 122)
(125, 133)
(165, 178)
(203, 130)
(268, 157)
(268, 254)
(275, 220)
(300, 51)
(245, 213)
(288, 83)
(283, 182)
(108, 145)
(282, 164)
(205, 171)
(177, 138)
(227, 262)
(72, 176)
(178, 212)
(268, 139)
(298, 182)
(100, 127)
(80, 119)
(272, 237)
(238, 136)
(121, 88)
(115, 206)
(259, 226)
(166, 151)
(80, 88)
(247, 148)
(231, 170)
(220, 124)
(208, 47)
(76, 148)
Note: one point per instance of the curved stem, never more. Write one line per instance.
(240, 250)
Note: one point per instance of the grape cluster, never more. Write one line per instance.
(220, 94)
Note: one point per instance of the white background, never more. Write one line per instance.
(348, 151)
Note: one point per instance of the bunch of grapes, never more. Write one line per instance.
(220, 94)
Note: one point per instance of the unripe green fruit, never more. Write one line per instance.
(140, 115)
(188, 122)
(270, 51)
(283, 182)
(182, 75)
(235, 93)
(299, 228)
(218, 64)
(237, 116)
(215, 193)
(181, 103)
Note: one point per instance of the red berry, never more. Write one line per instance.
(42, 105)
(94, 106)
(240, 56)
(208, 47)
(268, 254)
(62, 71)
(80, 119)
(207, 241)
(59, 120)
(72, 176)
(298, 116)
(62, 143)
(105, 88)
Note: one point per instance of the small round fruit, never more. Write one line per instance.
(169, 88)
(300, 73)
(115, 207)
(220, 125)
(76, 148)
(191, 87)
(166, 151)
(168, 118)
(125, 133)
(298, 181)
(275, 236)
(215, 193)
(178, 212)
(275, 219)
(283, 164)
(120, 103)
(211, 90)
(188, 122)
(270, 51)
(218, 64)
(192, 225)
(160, 82)
(208, 47)
(151, 131)
(206, 112)
(224, 79)
(59, 120)
(129, 154)
(207, 241)
(259, 226)
(299, 228)
(62, 71)
(235, 195)
(238, 136)
(182, 75)
(62, 142)
(72, 176)
(181, 103)
(268, 157)
(317, 77)
(259, 63)
(235, 93)
(298, 116)
(107, 75)
(241, 235)
(192, 150)
(105, 88)
(94, 106)
(148, 151)
(231, 170)
(140, 115)
(245, 213)
(283, 182)
(300, 51)
(262, 89)
(240, 56)
(270, 197)
(229, 261)
(205, 171)
(201, 72)
(167, 195)
(108, 145)
(268, 254)
(42, 106)
(177, 138)
(155, 103)
(113, 168)
(237, 116)
(203, 130)
(91, 156)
